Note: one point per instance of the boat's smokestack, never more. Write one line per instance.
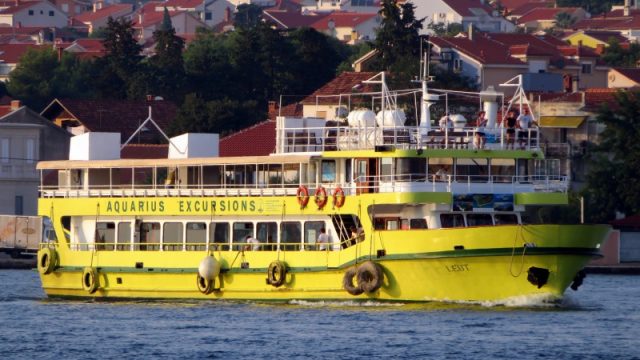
(489, 99)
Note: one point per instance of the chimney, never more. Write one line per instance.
(140, 18)
(227, 14)
(59, 50)
(273, 106)
(15, 104)
(470, 32)
(627, 7)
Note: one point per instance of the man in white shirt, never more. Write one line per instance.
(323, 240)
(445, 123)
(252, 243)
(525, 121)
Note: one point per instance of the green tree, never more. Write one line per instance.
(208, 70)
(615, 163)
(616, 55)
(442, 29)
(167, 65)
(592, 6)
(122, 60)
(398, 34)
(564, 20)
(247, 15)
(40, 77)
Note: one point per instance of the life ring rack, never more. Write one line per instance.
(338, 197)
(303, 196)
(321, 197)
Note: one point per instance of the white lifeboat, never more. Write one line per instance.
(362, 119)
(391, 118)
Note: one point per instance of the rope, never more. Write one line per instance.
(284, 210)
(95, 243)
(513, 250)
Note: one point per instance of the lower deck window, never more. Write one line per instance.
(479, 220)
(506, 219)
(451, 220)
(105, 235)
(196, 238)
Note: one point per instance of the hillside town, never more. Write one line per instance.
(571, 63)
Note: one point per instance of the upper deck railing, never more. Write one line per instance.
(336, 138)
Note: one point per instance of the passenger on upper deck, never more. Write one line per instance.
(525, 121)
(510, 125)
(480, 138)
(445, 123)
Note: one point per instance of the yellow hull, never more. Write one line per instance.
(466, 264)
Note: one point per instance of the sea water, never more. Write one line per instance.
(600, 321)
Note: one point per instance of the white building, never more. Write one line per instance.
(466, 12)
(33, 14)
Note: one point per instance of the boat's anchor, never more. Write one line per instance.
(578, 279)
(538, 276)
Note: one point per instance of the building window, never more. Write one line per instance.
(586, 68)
(19, 205)
(50, 12)
(208, 15)
(4, 150)
(31, 149)
(30, 12)
(457, 65)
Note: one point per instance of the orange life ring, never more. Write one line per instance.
(321, 197)
(338, 197)
(303, 196)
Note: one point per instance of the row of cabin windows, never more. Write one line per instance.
(399, 224)
(453, 220)
(195, 236)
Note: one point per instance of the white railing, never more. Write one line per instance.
(335, 138)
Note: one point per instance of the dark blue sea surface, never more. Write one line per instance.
(600, 321)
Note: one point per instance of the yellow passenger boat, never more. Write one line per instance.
(363, 209)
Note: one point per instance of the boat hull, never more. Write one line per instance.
(469, 264)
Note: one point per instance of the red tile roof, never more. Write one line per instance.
(528, 6)
(103, 13)
(93, 45)
(11, 53)
(342, 19)
(182, 4)
(342, 84)
(463, 7)
(594, 99)
(291, 20)
(287, 5)
(482, 48)
(291, 110)
(542, 14)
(27, 30)
(121, 116)
(257, 140)
(633, 73)
(145, 151)
(513, 4)
(17, 8)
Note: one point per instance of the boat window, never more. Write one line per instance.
(311, 233)
(124, 235)
(274, 173)
(292, 175)
(328, 171)
(240, 232)
(479, 220)
(451, 220)
(418, 224)
(290, 235)
(472, 170)
(172, 239)
(503, 170)
(386, 169)
(149, 238)
(439, 169)
(506, 219)
(267, 233)
(196, 236)
(411, 169)
(212, 176)
(105, 235)
(387, 223)
(219, 235)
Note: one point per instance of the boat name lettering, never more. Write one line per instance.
(124, 206)
(213, 205)
(457, 268)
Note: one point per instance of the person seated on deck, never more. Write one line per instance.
(252, 243)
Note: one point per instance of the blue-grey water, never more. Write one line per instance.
(600, 321)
